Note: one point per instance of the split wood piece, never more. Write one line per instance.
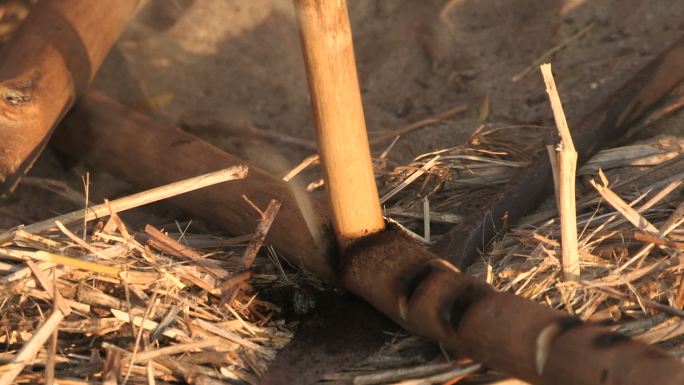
(606, 123)
(338, 113)
(260, 233)
(49, 61)
(136, 200)
(169, 244)
(144, 153)
(50, 288)
(567, 168)
(428, 296)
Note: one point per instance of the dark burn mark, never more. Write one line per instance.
(408, 284)
(604, 376)
(608, 339)
(454, 312)
(360, 247)
(385, 245)
(567, 323)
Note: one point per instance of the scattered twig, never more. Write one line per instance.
(30, 349)
(267, 218)
(135, 200)
(546, 55)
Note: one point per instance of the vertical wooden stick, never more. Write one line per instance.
(567, 164)
(338, 113)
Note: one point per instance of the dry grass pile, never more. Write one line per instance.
(135, 307)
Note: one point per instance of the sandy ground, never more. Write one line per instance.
(239, 61)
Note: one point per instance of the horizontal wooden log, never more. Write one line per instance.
(428, 296)
(49, 61)
(111, 137)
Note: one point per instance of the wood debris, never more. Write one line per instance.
(132, 312)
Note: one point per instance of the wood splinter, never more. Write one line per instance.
(566, 167)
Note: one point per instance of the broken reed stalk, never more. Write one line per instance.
(49, 61)
(338, 113)
(609, 120)
(135, 200)
(567, 167)
(30, 349)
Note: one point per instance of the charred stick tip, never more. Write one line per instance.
(467, 295)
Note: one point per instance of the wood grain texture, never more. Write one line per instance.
(338, 112)
(49, 61)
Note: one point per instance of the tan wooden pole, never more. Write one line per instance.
(338, 114)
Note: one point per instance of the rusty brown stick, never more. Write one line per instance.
(609, 121)
(48, 62)
(427, 295)
(108, 136)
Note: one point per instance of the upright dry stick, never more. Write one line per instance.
(567, 165)
(260, 233)
(338, 112)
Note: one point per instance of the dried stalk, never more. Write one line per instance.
(567, 166)
(135, 200)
